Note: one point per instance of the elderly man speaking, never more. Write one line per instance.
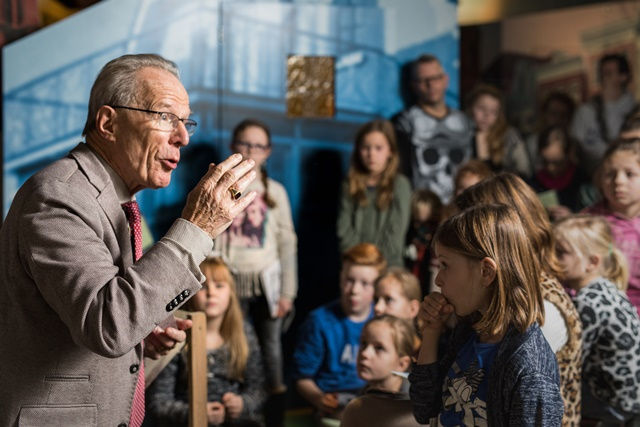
(81, 304)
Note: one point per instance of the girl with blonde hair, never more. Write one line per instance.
(386, 346)
(235, 386)
(597, 271)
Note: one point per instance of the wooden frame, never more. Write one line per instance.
(197, 354)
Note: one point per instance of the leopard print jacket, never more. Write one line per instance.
(570, 355)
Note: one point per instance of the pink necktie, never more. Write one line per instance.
(132, 212)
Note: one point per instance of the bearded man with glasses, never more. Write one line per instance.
(433, 138)
(81, 304)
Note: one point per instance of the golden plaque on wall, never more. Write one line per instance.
(310, 86)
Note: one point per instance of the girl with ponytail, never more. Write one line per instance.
(597, 271)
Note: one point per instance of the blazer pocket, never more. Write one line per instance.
(58, 415)
(68, 389)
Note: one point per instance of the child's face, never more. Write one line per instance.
(467, 180)
(356, 288)
(422, 211)
(390, 299)
(460, 280)
(553, 157)
(621, 181)
(213, 298)
(253, 143)
(573, 266)
(375, 152)
(485, 112)
(377, 355)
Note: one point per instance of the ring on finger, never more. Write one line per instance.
(235, 194)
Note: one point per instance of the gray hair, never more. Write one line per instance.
(117, 84)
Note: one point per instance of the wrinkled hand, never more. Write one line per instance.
(210, 205)
(215, 413)
(233, 404)
(434, 312)
(161, 341)
(284, 306)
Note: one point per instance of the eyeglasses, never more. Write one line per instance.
(429, 79)
(167, 121)
(249, 146)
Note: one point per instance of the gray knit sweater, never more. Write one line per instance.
(168, 395)
(523, 383)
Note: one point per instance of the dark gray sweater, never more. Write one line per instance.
(523, 382)
(168, 396)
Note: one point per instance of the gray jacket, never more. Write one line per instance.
(74, 305)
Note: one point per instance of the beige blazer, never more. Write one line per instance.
(73, 306)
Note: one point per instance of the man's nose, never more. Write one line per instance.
(180, 135)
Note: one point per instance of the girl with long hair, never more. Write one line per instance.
(497, 368)
(235, 377)
(375, 202)
(495, 142)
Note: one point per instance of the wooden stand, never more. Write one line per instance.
(196, 338)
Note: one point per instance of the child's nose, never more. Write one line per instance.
(379, 307)
(367, 351)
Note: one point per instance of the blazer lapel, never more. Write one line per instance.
(107, 199)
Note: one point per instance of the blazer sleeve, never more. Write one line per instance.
(69, 248)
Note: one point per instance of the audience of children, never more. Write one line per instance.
(565, 188)
(327, 348)
(497, 369)
(426, 211)
(261, 249)
(619, 182)
(374, 206)
(235, 375)
(499, 271)
(561, 326)
(597, 271)
(386, 346)
(495, 142)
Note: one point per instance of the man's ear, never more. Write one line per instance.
(105, 123)
(488, 271)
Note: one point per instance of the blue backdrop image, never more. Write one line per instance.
(232, 56)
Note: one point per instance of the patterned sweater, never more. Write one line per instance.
(569, 356)
(168, 395)
(259, 237)
(611, 345)
(523, 391)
